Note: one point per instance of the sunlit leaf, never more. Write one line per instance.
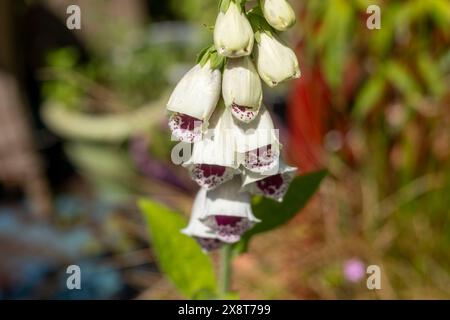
(440, 12)
(429, 70)
(369, 95)
(335, 38)
(178, 256)
(383, 39)
(402, 79)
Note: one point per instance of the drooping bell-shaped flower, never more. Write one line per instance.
(242, 89)
(233, 34)
(273, 185)
(228, 212)
(213, 160)
(205, 237)
(275, 61)
(257, 143)
(193, 101)
(278, 13)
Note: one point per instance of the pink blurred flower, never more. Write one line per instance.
(354, 270)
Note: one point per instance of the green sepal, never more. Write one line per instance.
(258, 36)
(224, 5)
(202, 53)
(217, 61)
(210, 54)
(259, 23)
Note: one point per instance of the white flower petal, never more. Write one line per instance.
(228, 212)
(242, 89)
(233, 34)
(217, 147)
(213, 159)
(275, 61)
(185, 128)
(279, 14)
(257, 143)
(197, 230)
(197, 93)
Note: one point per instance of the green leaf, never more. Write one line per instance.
(334, 39)
(440, 12)
(403, 80)
(178, 255)
(429, 70)
(369, 96)
(274, 214)
(382, 40)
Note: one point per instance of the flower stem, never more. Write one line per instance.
(225, 270)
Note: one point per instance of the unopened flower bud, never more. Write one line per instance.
(233, 34)
(276, 62)
(279, 14)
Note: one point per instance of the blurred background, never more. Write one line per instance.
(83, 134)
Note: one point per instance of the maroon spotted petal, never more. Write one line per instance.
(210, 176)
(209, 244)
(262, 159)
(244, 114)
(228, 229)
(185, 128)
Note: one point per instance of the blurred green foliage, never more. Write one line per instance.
(390, 90)
(196, 10)
(127, 79)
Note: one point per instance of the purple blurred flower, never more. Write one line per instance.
(151, 167)
(354, 270)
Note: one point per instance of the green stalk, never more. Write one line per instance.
(225, 270)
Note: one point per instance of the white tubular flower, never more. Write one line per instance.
(193, 101)
(242, 89)
(279, 14)
(213, 159)
(228, 212)
(257, 143)
(271, 186)
(205, 237)
(233, 34)
(275, 61)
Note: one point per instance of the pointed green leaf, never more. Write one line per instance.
(429, 70)
(274, 214)
(403, 80)
(369, 95)
(178, 256)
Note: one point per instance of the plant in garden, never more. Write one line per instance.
(235, 150)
